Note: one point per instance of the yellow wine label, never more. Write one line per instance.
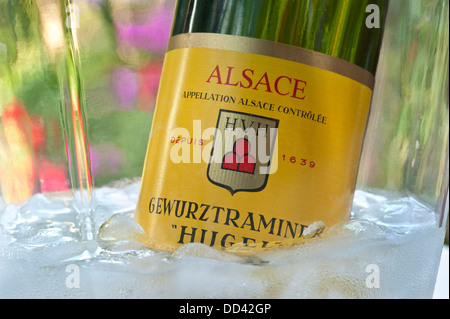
(252, 141)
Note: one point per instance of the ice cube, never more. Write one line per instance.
(406, 212)
(9, 216)
(122, 227)
(203, 251)
(132, 191)
(40, 205)
(358, 228)
(2, 203)
(119, 200)
(5, 238)
(315, 230)
(101, 214)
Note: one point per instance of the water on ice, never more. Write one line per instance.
(389, 249)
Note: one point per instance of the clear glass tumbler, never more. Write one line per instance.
(405, 157)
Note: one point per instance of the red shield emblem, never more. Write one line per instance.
(242, 151)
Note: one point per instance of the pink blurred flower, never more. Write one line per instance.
(52, 177)
(152, 34)
(106, 159)
(149, 78)
(125, 85)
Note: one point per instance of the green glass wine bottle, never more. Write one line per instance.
(259, 123)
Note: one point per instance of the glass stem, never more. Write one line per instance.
(73, 119)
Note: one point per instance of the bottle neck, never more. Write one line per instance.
(347, 29)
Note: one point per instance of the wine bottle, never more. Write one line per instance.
(260, 117)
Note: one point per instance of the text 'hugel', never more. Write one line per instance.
(230, 217)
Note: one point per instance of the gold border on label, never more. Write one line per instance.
(272, 49)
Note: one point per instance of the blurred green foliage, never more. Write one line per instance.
(121, 46)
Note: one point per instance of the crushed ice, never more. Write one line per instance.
(42, 236)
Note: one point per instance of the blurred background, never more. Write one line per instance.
(116, 49)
